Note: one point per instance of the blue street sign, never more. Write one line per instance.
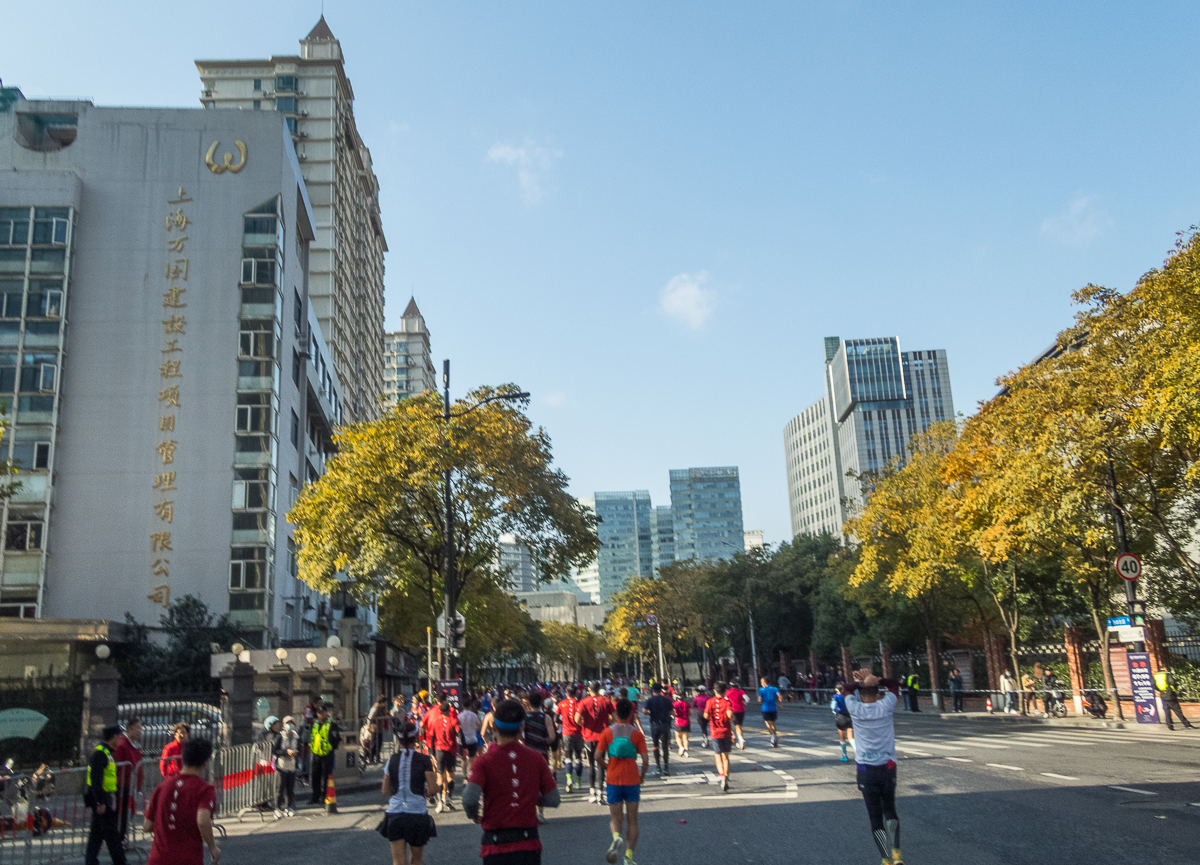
(1119, 622)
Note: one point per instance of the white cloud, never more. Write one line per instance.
(531, 160)
(555, 398)
(686, 299)
(1083, 220)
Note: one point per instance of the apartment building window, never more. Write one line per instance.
(296, 368)
(251, 489)
(247, 578)
(287, 83)
(298, 311)
(286, 104)
(257, 84)
(255, 412)
(295, 436)
(257, 105)
(23, 534)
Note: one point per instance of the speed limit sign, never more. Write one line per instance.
(652, 620)
(1129, 566)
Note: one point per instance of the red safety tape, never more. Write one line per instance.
(238, 779)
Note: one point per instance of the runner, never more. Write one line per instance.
(737, 698)
(538, 732)
(441, 722)
(873, 714)
(698, 703)
(619, 747)
(572, 738)
(768, 695)
(661, 713)
(593, 714)
(408, 781)
(511, 781)
(719, 712)
(469, 723)
(683, 724)
(841, 719)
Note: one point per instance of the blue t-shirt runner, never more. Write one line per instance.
(768, 695)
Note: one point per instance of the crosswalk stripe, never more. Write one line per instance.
(925, 743)
(1132, 790)
(1002, 766)
(960, 759)
(1060, 777)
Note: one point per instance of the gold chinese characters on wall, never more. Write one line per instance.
(227, 163)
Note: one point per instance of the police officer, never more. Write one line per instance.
(100, 794)
(1164, 683)
(913, 681)
(326, 736)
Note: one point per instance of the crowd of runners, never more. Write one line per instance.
(513, 743)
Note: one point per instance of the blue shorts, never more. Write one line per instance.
(618, 793)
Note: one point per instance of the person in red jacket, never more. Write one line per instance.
(129, 770)
(171, 760)
(592, 714)
(719, 712)
(572, 736)
(441, 724)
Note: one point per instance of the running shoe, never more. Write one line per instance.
(569, 783)
(897, 857)
(741, 744)
(449, 804)
(439, 806)
(592, 795)
(603, 798)
(724, 783)
(541, 818)
(614, 850)
(278, 814)
(666, 772)
(845, 759)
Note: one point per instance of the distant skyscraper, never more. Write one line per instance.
(345, 283)
(588, 579)
(753, 539)
(407, 363)
(662, 537)
(706, 504)
(876, 398)
(515, 562)
(625, 539)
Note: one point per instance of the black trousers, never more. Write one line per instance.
(958, 701)
(322, 768)
(105, 830)
(661, 733)
(516, 857)
(596, 772)
(878, 787)
(1173, 706)
(287, 790)
(126, 806)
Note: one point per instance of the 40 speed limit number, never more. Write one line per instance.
(1129, 566)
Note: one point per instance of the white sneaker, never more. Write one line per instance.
(278, 814)
(592, 795)
(440, 805)
(741, 744)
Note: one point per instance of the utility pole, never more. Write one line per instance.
(662, 674)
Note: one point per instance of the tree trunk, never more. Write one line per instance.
(935, 668)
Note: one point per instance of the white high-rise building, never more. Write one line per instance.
(407, 363)
(346, 258)
(876, 398)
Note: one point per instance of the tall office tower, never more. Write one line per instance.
(346, 259)
(515, 562)
(625, 540)
(164, 435)
(752, 539)
(588, 579)
(706, 505)
(407, 364)
(662, 538)
(876, 398)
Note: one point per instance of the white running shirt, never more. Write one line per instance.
(874, 728)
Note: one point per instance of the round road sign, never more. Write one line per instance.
(1129, 566)
(652, 620)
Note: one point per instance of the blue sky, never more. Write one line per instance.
(649, 214)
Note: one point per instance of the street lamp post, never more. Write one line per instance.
(449, 578)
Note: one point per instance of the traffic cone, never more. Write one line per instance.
(989, 705)
(330, 797)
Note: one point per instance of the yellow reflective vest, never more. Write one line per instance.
(110, 771)
(1161, 683)
(320, 743)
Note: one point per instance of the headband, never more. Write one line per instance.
(508, 726)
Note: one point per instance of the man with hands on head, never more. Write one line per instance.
(871, 702)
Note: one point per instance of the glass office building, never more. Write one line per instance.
(625, 538)
(706, 506)
(876, 398)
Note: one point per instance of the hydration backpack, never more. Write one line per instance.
(622, 747)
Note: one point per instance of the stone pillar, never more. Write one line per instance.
(885, 662)
(332, 684)
(283, 677)
(237, 703)
(100, 697)
(1074, 645)
(308, 688)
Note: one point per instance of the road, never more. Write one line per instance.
(971, 790)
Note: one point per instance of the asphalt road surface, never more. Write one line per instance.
(970, 790)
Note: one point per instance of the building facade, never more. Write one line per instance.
(517, 566)
(162, 436)
(314, 96)
(407, 363)
(706, 506)
(625, 539)
(876, 398)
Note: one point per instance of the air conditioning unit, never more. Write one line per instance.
(303, 113)
(301, 157)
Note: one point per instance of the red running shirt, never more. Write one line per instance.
(513, 777)
(594, 713)
(171, 760)
(172, 809)
(737, 699)
(720, 724)
(566, 711)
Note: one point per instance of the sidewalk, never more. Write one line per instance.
(927, 710)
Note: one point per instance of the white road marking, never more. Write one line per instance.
(971, 741)
(924, 743)
(960, 759)
(1060, 777)
(908, 750)
(1132, 790)
(1009, 768)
